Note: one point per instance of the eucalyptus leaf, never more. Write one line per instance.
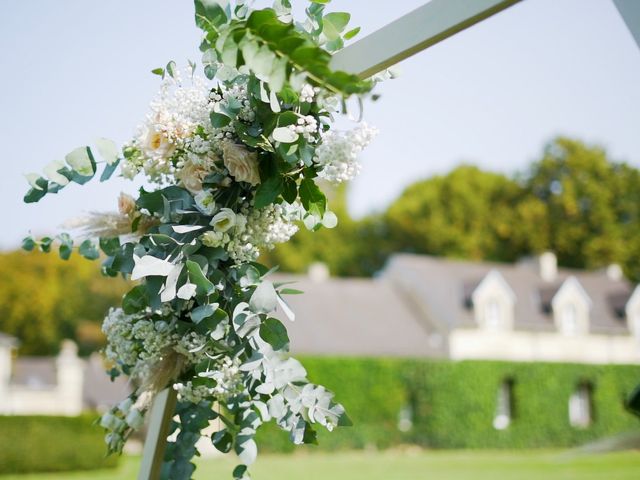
(88, 250)
(81, 161)
(222, 440)
(135, 300)
(284, 135)
(274, 333)
(28, 244)
(264, 299)
(198, 277)
(108, 150)
(334, 23)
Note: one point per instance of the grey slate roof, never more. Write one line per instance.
(444, 287)
(99, 392)
(353, 317)
(34, 372)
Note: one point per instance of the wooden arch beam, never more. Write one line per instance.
(417, 30)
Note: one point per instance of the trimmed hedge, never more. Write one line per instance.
(52, 444)
(454, 403)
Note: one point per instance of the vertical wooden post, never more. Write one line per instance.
(162, 411)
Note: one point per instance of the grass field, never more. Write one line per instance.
(401, 465)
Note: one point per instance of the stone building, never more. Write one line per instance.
(422, 306)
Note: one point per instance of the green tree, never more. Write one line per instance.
(468, 213)
(592, 205)
(355, 248)
(69, 297)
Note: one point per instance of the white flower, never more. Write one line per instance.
(154, 143)
(338, 153)
(241, 163)
(307, 93)
(134, 419)
(212, 239)
(223, 220)
(205, 203)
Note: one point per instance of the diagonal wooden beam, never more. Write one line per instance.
(162, 411)
(630, 12)
(414, 32)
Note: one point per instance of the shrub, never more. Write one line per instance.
(453, 403)
(50, 444)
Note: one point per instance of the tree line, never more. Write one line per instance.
(573, 200)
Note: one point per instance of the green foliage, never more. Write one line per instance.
(592, 206)
(277, 51)
(80, 168)
(467, 213)
(70, 301)
(454, 403)
(51, 444)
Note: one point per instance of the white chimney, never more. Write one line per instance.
(318, 272)
(548, 266)
(614, 272)
(70, 373)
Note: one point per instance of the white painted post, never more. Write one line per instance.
(162, 412)
(630, 12)
(414, 32)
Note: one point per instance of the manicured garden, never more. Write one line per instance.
(401, 465)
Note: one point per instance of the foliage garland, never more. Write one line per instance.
(236, 163)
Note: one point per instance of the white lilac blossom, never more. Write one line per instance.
(337, 155)
(246, 233)
(307, 93)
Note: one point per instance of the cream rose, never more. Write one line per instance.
(191, 176)
(241, 163)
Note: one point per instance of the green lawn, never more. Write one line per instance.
(397, 465)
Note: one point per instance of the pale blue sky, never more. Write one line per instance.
(492, 95)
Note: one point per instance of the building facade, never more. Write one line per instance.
(422, 306)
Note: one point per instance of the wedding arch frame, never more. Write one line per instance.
(410, 34)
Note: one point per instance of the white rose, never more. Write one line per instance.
(155, 143)
(191, 176)
(205, 202)
(223, 220)
(241, 163)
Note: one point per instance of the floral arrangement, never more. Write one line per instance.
(235, 158)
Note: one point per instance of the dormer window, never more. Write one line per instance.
(571, 306)
(492, 314)
(493, 302)
(569, 319)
